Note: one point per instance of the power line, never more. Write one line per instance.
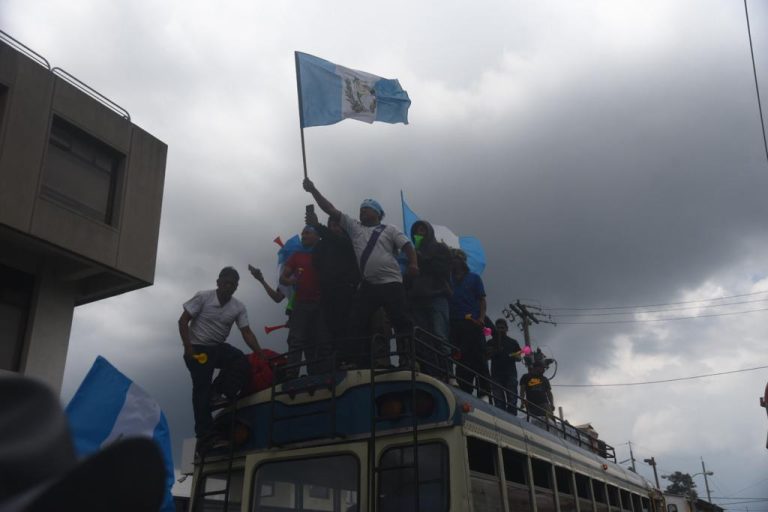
(663, 319)
(660, 381)
(664, 310)
(654, 305)
(757, 87)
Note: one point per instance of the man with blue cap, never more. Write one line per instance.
(376, 246)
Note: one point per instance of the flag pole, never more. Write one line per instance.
(301, 113)
(402, 208)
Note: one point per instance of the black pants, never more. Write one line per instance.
(234, 375)
(468, 336)
(505, 398)
(337, 304)
(370, 297)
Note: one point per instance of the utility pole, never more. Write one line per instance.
(652, 463)
(632, 457)
(527, 314)
(706, 483)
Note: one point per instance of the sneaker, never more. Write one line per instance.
(453, 382)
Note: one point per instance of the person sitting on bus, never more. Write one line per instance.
(204, 326)
(307, 330)
(467, 314)
(376, 246)
(536, 391)
(504, 353)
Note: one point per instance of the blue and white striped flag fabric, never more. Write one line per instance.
(469, 244)
(108, 407)
(329, 93)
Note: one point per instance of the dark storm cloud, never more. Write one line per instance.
(605, 155)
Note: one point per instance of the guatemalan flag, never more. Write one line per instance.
(469, 244)
(329, 93)
(108, 407)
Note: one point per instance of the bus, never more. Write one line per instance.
(402, 440)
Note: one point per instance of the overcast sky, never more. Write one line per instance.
(607, 153)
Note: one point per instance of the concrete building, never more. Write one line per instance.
(81, 191)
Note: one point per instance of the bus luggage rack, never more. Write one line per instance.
(420, 352)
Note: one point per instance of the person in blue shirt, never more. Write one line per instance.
(467, 315)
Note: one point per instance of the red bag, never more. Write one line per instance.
(261, 371)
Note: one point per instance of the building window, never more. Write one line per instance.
(81, 172)
(15, 301)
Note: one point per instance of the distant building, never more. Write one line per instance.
(680, 503)
(81, 190)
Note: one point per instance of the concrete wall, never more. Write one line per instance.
(75, 258)
(48, 336)
(34, 95)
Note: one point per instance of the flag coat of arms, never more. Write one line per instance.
(329, 93)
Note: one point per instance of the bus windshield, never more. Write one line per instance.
(317, 484)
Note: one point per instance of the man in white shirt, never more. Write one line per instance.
(376, 246)
(204, 326)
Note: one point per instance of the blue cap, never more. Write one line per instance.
(374, 205)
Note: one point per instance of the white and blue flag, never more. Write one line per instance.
(469, 244)
(329, 93)
(108, 407)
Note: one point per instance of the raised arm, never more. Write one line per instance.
(322, 202)
(275, 295)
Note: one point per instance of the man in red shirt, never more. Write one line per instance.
(308, 330)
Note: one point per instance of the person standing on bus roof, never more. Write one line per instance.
(376, 246)
(307, 330)
(536, 392)
(467, 313)
(504, 352)
(204, 326)
(428, 296)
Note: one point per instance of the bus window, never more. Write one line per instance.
(646, 504)
(307, 485)
(601, 500)
(565, 489)
(636, 505)
(626, 501)
(613, 498)
(515, 471)
(211, 495)
(542, 482)
(671, 508)
(486, 486)
(584, 493)
(396, 485)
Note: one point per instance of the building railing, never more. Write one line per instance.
(26, 50)
(64, 75)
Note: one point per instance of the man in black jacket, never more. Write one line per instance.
(428, 295)
(336, 265)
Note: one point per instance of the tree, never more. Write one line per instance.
(682, 483)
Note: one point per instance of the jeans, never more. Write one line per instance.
(370, 297)
(234, 375)
(431, 315)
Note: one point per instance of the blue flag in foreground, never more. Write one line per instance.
(107, 407)
(329, 93)
(469, 244)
